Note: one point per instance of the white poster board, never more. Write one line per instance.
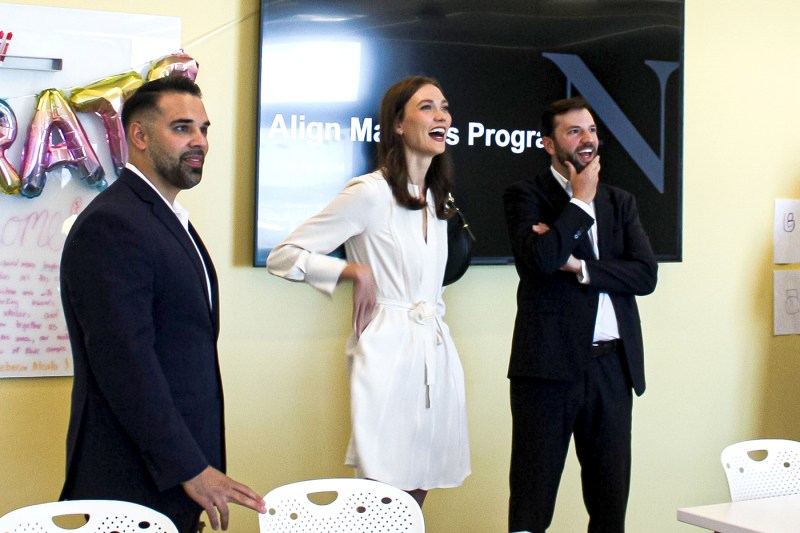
(93, 45)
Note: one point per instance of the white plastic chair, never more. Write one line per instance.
(102, 516)
(360, 505)
(762, 468)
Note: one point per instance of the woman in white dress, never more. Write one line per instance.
(406, 382)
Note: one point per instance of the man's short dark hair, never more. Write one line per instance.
(146, 97)
(560, 107)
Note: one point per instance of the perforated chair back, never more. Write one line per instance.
(762, 468)
(360, 505)
(102, 516)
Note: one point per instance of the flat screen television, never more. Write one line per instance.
(324, 67)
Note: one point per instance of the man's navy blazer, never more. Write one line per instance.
(555, 313)
(147, 407)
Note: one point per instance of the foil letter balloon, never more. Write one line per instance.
(57, 139)
(178, 64)
(9, 179)
(105, 98)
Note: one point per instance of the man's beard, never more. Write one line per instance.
(175, 173)
(564, 156)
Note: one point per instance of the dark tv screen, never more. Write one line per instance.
(324, 67)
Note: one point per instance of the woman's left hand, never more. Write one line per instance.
(364, 294)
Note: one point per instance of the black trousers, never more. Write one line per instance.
(596, 411)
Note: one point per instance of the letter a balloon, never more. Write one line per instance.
(57, 139)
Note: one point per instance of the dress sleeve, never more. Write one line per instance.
(302, 256)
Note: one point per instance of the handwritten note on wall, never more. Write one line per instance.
(33, 338)
(33, 334)
(786, 302)
(30, 327)
(786, 232)
(93, 45)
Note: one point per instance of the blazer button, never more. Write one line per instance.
(577, 235)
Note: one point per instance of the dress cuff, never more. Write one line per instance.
(323, 272)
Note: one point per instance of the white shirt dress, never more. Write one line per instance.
(406, 381)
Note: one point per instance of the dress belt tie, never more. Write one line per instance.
(422, 313)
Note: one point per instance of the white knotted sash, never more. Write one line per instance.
(424, 314)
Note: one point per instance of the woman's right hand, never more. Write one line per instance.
(364, 294)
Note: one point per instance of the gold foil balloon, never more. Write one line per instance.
(57, 139)
(178, 64)
(9, 179)
(105, 99)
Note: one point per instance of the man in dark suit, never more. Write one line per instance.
(582, 256)
(141, 303)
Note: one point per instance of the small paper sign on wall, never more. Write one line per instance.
(786, 241)
(786, 298)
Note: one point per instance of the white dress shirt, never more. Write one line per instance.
(605, 327)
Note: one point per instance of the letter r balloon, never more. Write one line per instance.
(9, 179)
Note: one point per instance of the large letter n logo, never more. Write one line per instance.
(579, 76)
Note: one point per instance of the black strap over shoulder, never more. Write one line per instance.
(459, 243)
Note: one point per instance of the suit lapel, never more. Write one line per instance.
(603, 219)
(212, 276)
(558, 196)
(170, 221)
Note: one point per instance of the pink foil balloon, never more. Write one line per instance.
(105, 98)
(44, 152)
(178, 64)
(9, 179)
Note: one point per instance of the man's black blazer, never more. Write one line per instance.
(556, 314)
(147, 407)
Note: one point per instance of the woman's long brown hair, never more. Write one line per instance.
(391, 154)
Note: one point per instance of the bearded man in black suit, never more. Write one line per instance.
(577, 353)
(141, 302)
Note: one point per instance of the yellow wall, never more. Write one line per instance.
(716, 373)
